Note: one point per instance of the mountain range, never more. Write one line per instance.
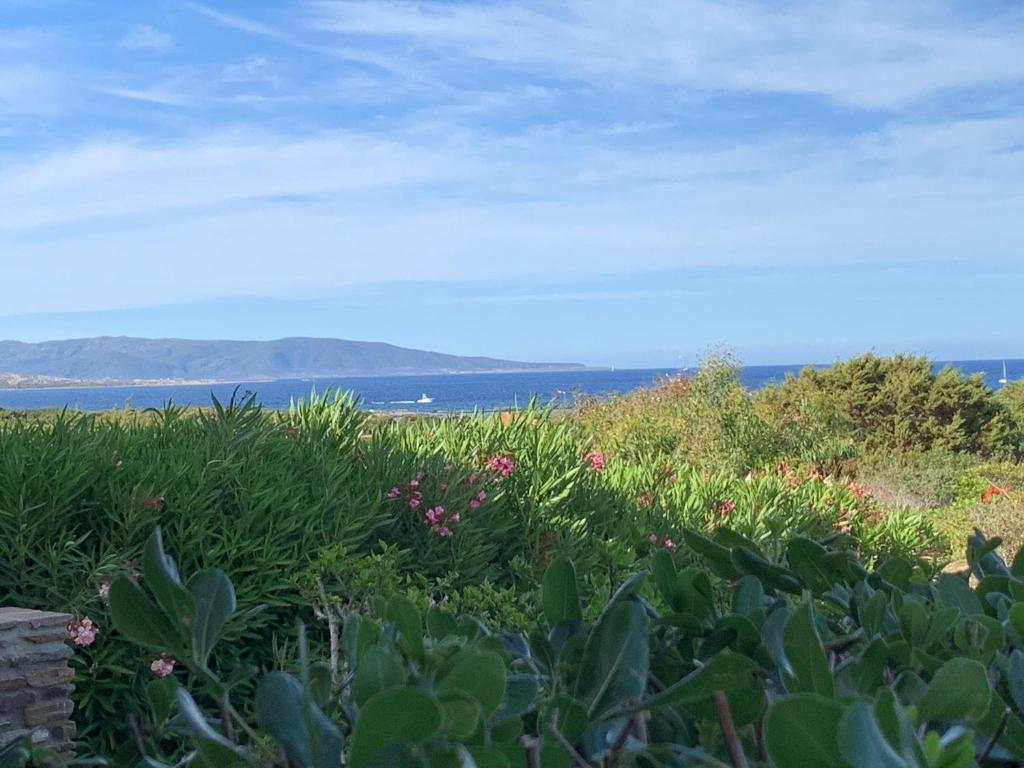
(123, 358)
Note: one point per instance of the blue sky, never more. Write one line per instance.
(613, 182)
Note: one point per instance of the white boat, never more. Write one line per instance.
(1004, 380)
(424, 399)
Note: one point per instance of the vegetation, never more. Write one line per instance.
(320, 520)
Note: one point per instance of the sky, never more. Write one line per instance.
(612, 182)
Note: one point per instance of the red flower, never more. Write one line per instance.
(991, 492)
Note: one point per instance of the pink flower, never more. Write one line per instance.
(504, 464)
(163, 666)
(414, 502)
(596, 460)
(645, 499)
(481, 495)
(662, 541)
(104, 591)
(394, 493)
(723, 508)
(414, 484)
(83, 633)
(858, 490)
(440, 521)
(474, 504)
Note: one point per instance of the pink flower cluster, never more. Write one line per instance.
(411, 492)
(503, 463)
(662, 541)
(104, 591)
(723, 508)
(858, 490)
(441, 522)
(162, 666)
(478, 499)
(83, 632)
(596, 460)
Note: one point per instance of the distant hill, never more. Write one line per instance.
(122, 358)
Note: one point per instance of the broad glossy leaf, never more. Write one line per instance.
(161, 695)
(407, 620)
(137, 618)
(735, 675)
(461, 713)
(481, 674)
(956, 592)
(811, 673)
(212, 746)
(861, 740)
(213, 597)
(161, 577)
(378, 670)
(719, 558)
(959, 691)
(288, 714)
(403, 714)
(615, 660)
(560, 594)
(802, 730)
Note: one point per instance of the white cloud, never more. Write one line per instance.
(145, 37)
(868, 53)
(242, 213)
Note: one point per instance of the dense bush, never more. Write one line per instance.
(717, 656)
(312, 511)
(897, 403)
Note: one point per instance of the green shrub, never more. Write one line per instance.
(897, 403)
(810, 660)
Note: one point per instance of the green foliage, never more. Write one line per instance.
(884, 668)
(897, 403)
(738, 503)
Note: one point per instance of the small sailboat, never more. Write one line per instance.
(425, 399)
(1004, 380)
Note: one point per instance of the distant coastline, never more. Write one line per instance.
(13, 381)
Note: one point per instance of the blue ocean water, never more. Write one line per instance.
(453, 392)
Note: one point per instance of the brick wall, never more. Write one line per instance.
(35, 680)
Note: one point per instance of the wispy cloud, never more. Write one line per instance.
(871, 53)
(145, 37)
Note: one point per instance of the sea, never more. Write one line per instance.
(447, 392)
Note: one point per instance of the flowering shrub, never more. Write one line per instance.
(504, 464)
(83, 632)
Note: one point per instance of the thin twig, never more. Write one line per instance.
(732, 739)
(995, 736)
(840, 644)
(566, 745)
(762, 753)
(225, 718)
(531, 746)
